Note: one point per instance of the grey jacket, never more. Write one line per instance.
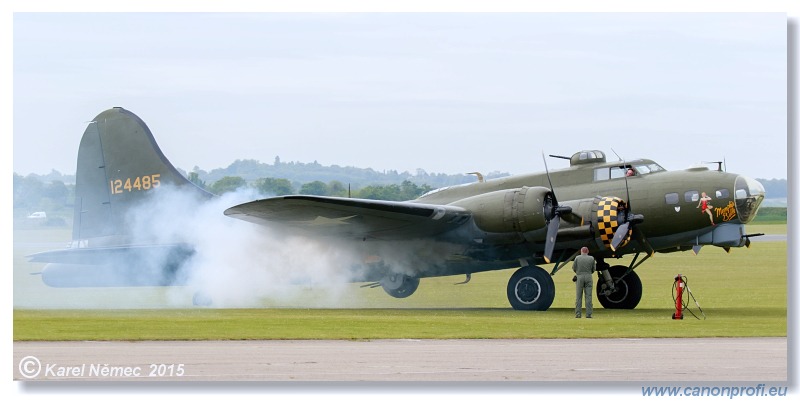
(584, 264)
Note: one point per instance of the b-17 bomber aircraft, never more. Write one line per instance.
(617, 209)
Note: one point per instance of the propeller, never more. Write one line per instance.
(629, 225)
(553, 213)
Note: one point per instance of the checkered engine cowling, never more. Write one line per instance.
(608, 213)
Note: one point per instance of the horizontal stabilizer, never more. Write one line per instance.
(123, 266)
(112, 254)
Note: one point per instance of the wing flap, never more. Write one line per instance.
(352, 218)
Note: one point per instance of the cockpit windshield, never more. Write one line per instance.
(648, 168)
(621, 171)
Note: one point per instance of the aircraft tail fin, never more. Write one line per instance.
(119, 165)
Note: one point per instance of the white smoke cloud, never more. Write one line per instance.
(412, 257)
(237, 263)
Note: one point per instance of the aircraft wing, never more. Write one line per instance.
(352, 218)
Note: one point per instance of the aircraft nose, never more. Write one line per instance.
(749, 193)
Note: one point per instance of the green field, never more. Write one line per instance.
(743, 293)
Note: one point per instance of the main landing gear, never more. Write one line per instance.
(201, 298)
(531, 288)
(623, 291)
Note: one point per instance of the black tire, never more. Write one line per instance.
(628, 293)
(531, 288)
(400, 285)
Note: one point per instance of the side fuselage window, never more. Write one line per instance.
(722, 194)
(671, 198)
(691, 196)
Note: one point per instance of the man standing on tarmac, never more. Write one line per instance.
(583, 266)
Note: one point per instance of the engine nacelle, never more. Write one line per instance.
(510, 211)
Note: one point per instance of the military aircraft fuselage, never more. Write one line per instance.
(673, 210)
(612, 208)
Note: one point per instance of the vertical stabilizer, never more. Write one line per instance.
(119, 164)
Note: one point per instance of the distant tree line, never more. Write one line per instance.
(280, 187)
(301, 173)
(34, 193)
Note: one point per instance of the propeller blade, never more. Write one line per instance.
(547, 171)
(556, 212)
(550, 242)
(620, 235)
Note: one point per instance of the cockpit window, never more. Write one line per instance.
(621, 171)
(618, 172)
(615, 172)
(649, 168)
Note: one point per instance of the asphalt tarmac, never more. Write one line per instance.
(614, 360)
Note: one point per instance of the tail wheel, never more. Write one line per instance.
(628, 291)
(399, 285)
(200, 298)
(531, 289)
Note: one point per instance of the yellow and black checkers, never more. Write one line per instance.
(607, 218)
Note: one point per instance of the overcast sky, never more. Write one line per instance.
(449, 93)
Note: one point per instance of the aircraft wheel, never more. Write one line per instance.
(399, 285)
(201, 299)
(628, 293)
(531, 288)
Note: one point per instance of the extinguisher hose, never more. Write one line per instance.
(685, 297)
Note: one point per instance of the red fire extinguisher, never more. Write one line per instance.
(677, 288)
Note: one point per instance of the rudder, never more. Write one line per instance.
(119, 164)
